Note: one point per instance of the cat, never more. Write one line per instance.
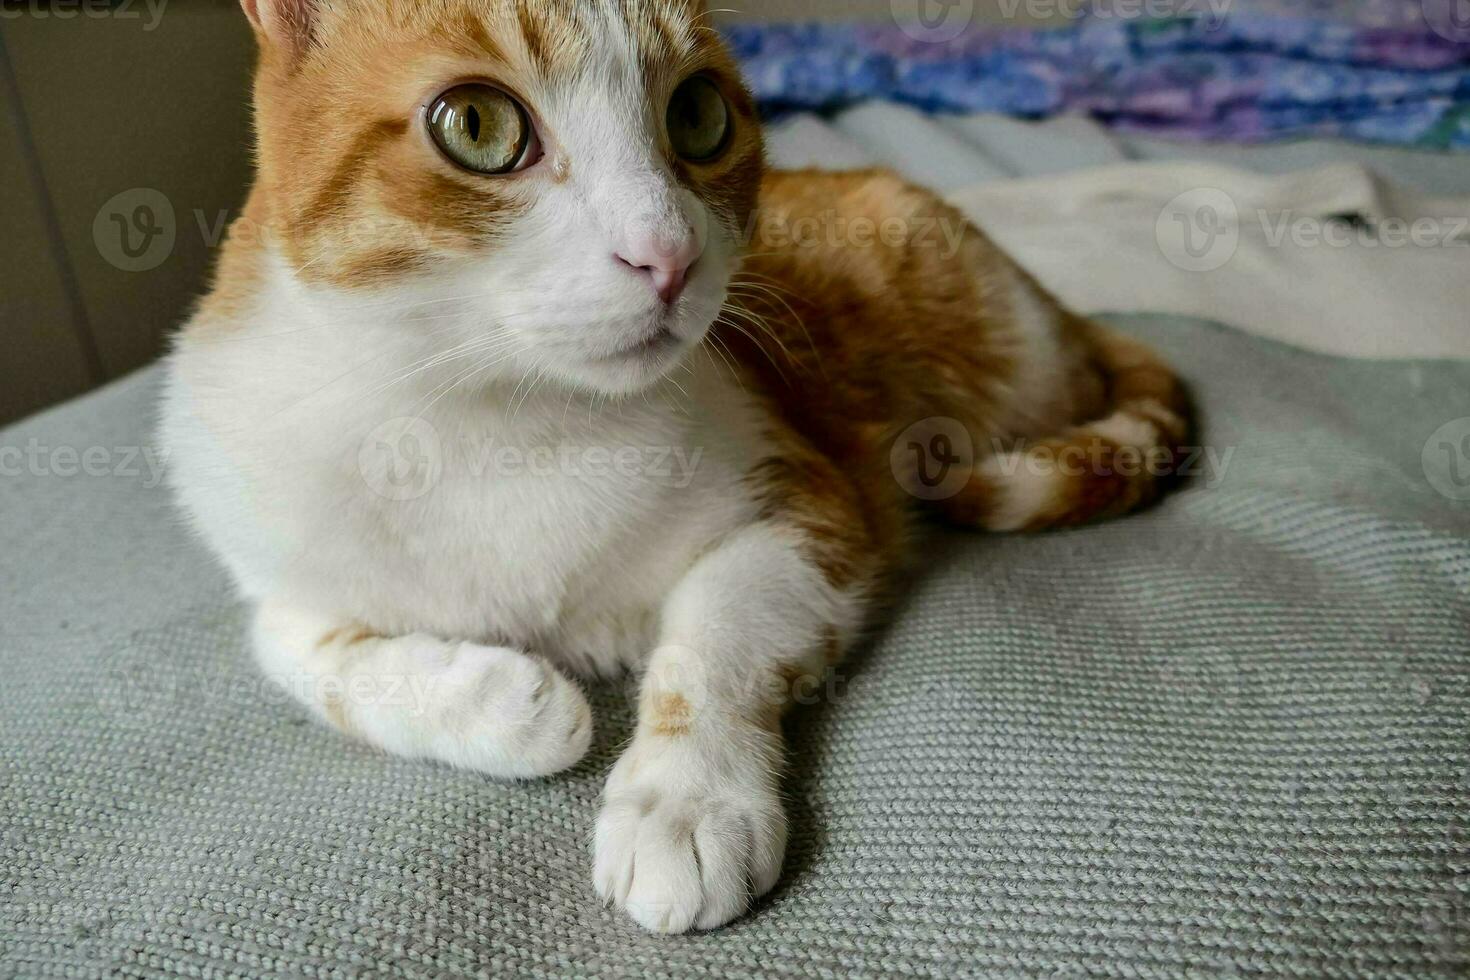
(518, 365)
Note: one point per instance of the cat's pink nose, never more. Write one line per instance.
(667, 269)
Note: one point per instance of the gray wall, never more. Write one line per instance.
(91, 108)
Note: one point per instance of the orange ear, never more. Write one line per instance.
(286, 24)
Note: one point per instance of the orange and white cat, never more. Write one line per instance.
(514, 369)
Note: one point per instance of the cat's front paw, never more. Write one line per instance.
(497, 711)
(690, 830)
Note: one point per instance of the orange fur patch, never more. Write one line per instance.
(852, 336)
(347, 636)
(672, 715)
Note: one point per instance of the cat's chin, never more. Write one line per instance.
(635, 364)
(633, 369)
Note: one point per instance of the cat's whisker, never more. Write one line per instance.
(525, 376)
(483, 365)
(344, 322)
(475, 346)
(439, 391)
(759, 323)
(713, 348)
(756, 344)
(540, 369)
(761, 255)
(736, 289)
(390, 304)
(745, 275)
(741, 288)
(317, 391)
(717, 346)
(325, 324)
(476, 369)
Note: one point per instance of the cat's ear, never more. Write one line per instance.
(287, 25)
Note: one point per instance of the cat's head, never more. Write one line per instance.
(550, 185)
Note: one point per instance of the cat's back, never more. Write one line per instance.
(861, 290)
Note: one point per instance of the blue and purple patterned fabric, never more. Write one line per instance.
(1388, 71)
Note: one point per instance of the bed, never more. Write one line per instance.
(1227, 736)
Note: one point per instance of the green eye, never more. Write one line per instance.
(698, 119)
(482, 129)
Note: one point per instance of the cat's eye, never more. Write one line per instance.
(482, 129)
(698, 119)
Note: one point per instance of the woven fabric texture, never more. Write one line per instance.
(1228, 736)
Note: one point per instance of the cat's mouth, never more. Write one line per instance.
(660, 343)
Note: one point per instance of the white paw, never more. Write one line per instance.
(689, 833)
(506, 714)
(534, 723)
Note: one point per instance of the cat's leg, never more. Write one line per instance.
(692, 826)
(491, 709)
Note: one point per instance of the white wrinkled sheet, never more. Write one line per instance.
(1101, 220)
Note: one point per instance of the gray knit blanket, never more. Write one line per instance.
(1227, 736)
